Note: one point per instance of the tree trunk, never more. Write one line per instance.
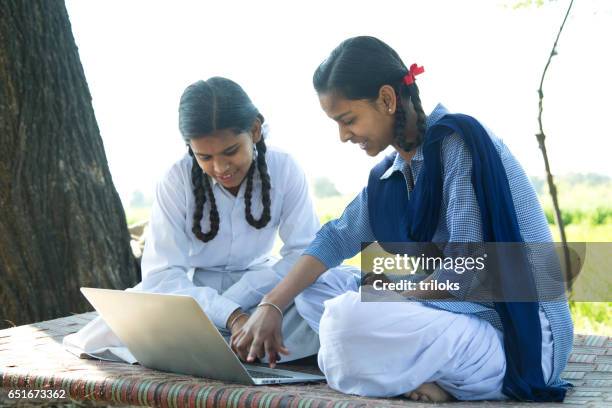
(62, 225)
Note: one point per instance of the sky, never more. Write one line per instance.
(481, 57)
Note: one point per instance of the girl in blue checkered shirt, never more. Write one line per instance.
(432, 349)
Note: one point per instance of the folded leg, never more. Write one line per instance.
(384, 349)
(331, 284)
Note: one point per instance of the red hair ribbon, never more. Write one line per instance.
(412, 72)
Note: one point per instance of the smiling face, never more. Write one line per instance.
(367, 123)
(226, 156)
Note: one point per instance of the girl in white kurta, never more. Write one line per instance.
(215, 218)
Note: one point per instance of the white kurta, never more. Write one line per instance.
(235, 269)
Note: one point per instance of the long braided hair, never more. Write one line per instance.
(359, 67)
(213, 105)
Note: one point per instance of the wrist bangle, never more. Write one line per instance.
(273, 305)
(231, 323)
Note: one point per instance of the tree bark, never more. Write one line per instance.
(62, 225)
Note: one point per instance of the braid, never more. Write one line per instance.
(265, 188)
(413, 91)
(400, 118)
(201, 186)
(214, 214)
(248, 193)
(400, 126)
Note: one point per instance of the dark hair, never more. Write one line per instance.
(359, 67)
(209, 106)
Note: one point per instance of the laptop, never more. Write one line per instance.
(172, 333)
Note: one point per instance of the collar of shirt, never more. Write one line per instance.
(399, 162)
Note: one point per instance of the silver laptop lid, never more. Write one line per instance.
(168, 333)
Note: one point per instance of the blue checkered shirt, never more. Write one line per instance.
(460, 221)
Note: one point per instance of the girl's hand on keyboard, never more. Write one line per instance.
(260, 336)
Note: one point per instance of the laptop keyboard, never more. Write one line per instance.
(259, 374)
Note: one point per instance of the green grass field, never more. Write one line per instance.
(590, 220)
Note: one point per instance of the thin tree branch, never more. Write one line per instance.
(541, 141)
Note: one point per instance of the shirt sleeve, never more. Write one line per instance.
(341, 238)
(461, 214)
(297, 228)
(165, 260)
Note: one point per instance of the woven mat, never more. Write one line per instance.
(32, 358)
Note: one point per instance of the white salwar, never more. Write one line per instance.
(233, 270)
(385, 349)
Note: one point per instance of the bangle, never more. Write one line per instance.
(231, 323)
(273, 305)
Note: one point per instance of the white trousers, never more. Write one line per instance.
(384, 349)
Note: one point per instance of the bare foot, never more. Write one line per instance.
(429, 392)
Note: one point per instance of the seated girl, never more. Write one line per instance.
(216, 215)
(449, 180)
